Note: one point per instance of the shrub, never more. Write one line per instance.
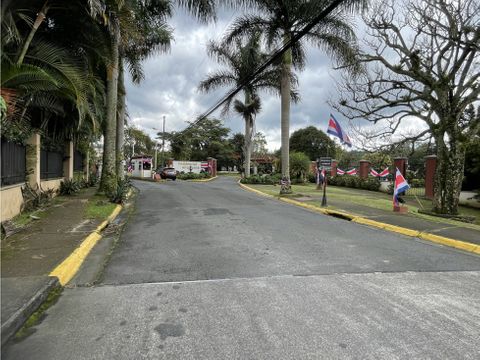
(119, 194)
(193, 176)
(372, 184)
(92, 180)
(299, 165)
(264, 179)
(69, 187)
(417, 183)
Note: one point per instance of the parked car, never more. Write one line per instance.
(167, 173)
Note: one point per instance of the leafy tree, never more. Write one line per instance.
(259, 144)
(299, 165)
(422, 63)
(312, 142)
(279, 21)
(207, 138)
(139, 141)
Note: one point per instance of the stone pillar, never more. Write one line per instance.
(430, 167)
(400, 163)
(68, 160)
(364, 169)
(86, 166)
(333, 170)
(33, 161)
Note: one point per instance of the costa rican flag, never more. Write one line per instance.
(340, 172)
(335, 129)
(401, 186)
(374, 173)
(352, 172)
(384, 173)
(204, 165)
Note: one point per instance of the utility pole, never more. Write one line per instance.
(163, 142)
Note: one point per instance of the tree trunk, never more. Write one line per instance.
(38, 21)
(247, 145)
(109, 179)
(448, 176)
(119, 148)
(285, 120)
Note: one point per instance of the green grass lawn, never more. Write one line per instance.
(99, 207)
(372, 199)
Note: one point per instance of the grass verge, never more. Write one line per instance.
(99, 207)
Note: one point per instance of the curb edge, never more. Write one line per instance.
(458, 244)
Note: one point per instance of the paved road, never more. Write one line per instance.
(209, 271)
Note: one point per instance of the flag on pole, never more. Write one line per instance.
(400, 186)
(374, 173)
(352, 172)
(340, 171)
(384, 173)
(335, 129)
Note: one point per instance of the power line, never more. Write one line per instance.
(275, 56)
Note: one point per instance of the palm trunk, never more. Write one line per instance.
(247, 146)
(120, 121)
(109, 180)
(285, 120)
(448, 176)
(38, 21)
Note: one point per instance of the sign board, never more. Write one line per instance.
(325, 161)
(188, 166)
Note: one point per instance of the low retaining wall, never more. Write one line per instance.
(11, 201)
(11, 198)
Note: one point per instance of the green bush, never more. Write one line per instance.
(299, 166)
(262, 179)
(193, 176)
(119, 194)
(372, 184)
(92, 180)
(69, 187)
(417, 183)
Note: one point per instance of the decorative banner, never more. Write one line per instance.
(374, 173)
(340, 172)
(352, 172)
(384, 173)
(204, 165)
(401, 186)
(335, 129)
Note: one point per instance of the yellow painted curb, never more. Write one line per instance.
(203, 180)
(69, 267)
(458, 244)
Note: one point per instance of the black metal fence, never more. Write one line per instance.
(51, 164)
(13, 163)
(77, 161)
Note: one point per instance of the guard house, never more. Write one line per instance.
(141, 166)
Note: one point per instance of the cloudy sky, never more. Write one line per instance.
(170, 86)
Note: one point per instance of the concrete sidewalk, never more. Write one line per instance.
(29, 255)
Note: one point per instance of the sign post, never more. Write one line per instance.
(325, 163)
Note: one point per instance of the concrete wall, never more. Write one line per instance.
(51, 184)
(11, 201)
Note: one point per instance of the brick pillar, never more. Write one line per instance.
(333, 170)
(430, 167)
(212, 166)
(364, 169)
(68, 161)
(33, 160)
(170, 162)
(401, 164)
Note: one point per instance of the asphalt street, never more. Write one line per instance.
(210, 271)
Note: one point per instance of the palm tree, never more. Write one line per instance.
(280, 21)
(240, 61)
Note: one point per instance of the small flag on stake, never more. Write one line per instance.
(400, 186)
(335, 129)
